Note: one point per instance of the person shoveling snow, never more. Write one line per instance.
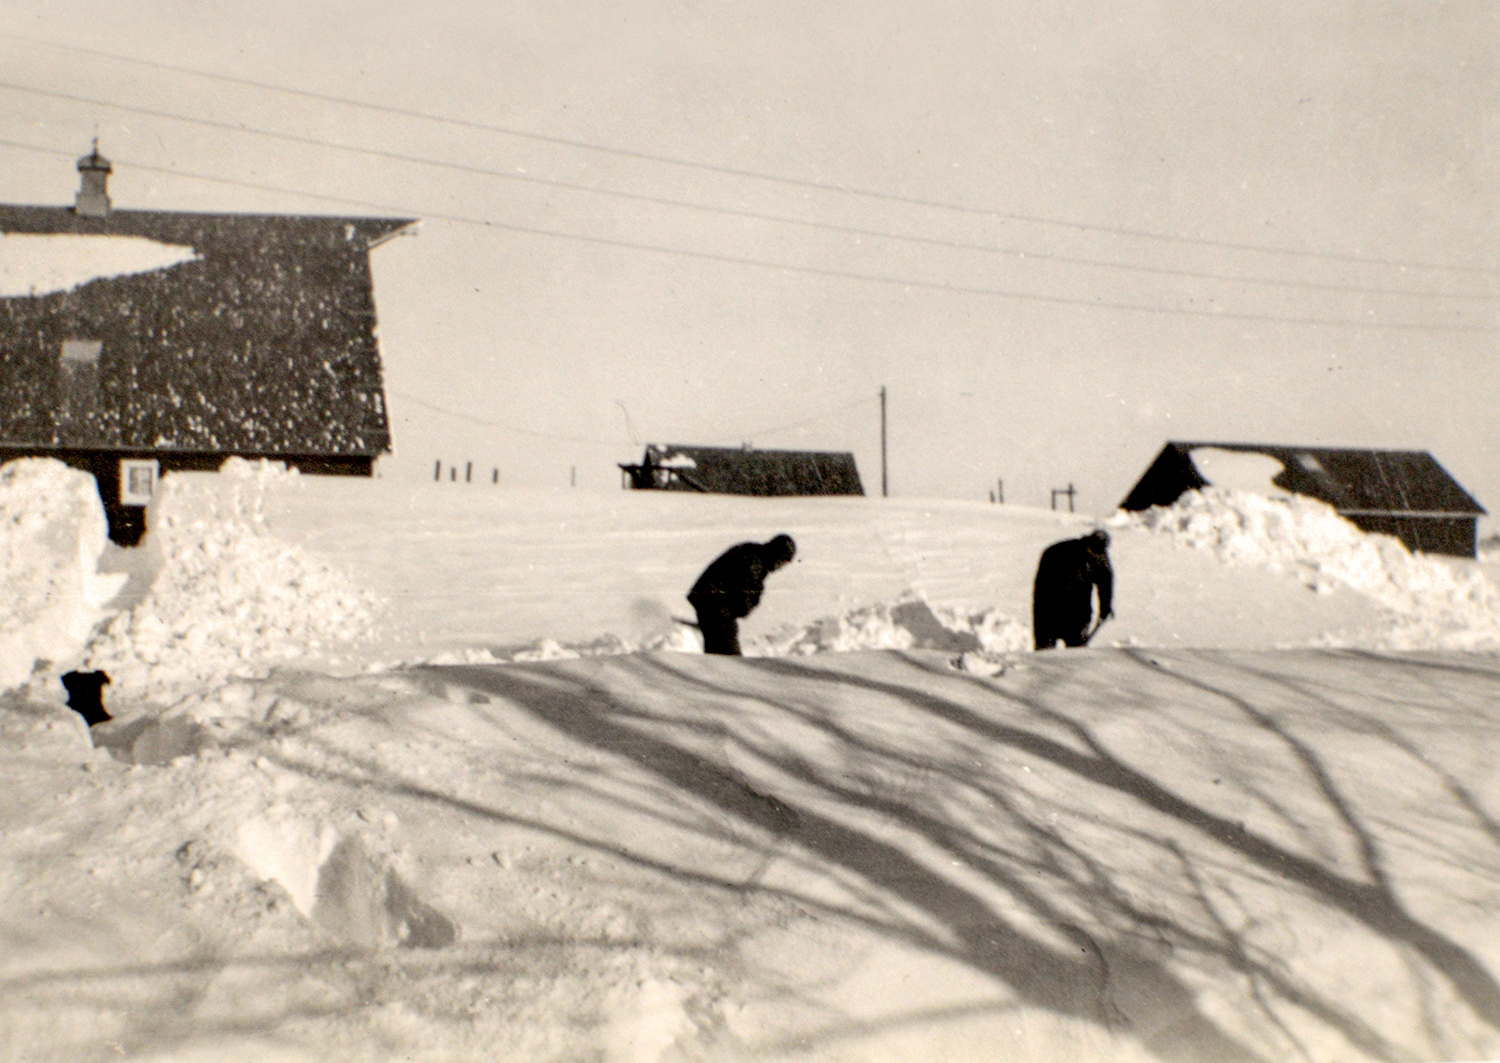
(731, 587)
(1062, 605)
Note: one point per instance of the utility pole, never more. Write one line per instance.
(885, 490)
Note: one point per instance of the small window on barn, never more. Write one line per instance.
(81, 352)
(1310, 463)
(138, 478)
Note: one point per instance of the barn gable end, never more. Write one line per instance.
(259, 343)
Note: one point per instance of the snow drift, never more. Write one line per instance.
(229, 599)
(1430, 603)
(52, 533)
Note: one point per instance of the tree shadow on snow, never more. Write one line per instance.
(1014, 827)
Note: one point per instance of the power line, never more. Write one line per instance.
(708, 256)
(498, 424)
(823, 186)
(848, 230)
(809, 420)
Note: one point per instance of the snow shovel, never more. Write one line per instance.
(1094, 630)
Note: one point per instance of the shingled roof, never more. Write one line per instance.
(745, 471)
(264, 343)
(1400, 482)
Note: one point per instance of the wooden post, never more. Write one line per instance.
(437, 472)
(1000, 492)
(884, 480)
(495, 476)
(469, 472)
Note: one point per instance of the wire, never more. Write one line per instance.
(849, 230)
(498, 424)
(814, 417)
(871, 278)
(823, 186)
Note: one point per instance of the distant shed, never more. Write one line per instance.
(744, 471)
(257, 341)
(1404, 493)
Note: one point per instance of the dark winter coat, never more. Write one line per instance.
(732, 585)
(1063, 596)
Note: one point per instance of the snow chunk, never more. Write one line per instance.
(39, 264)
(52, 534)
(230, 599)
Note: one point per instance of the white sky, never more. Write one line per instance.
(1363, 132)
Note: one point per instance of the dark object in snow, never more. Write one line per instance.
(85, 695)
(1062, 600)
(744, 471)
(731, 587)
(260, 344)
(1404, 493)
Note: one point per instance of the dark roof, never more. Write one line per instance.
(1352, 481)
(740, 471)
(264, 343)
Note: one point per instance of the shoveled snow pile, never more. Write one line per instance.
(907, 623)
(1431, 603)
(52, 532)
(229, 598)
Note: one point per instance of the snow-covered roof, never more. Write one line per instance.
(218, 333)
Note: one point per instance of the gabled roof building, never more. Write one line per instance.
(744, 471)
(257, 339)
(1404, 493)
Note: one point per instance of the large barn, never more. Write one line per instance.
(1404, 493)
(152, 341)
(744, 471)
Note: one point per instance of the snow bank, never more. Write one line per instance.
(229, 598)
(1431, 603)
(52, 533)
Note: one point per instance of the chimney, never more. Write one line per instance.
(93, 197)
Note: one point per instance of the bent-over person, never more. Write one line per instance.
(731, 587)
(1062, 600)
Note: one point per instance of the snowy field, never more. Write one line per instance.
(429, 772)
